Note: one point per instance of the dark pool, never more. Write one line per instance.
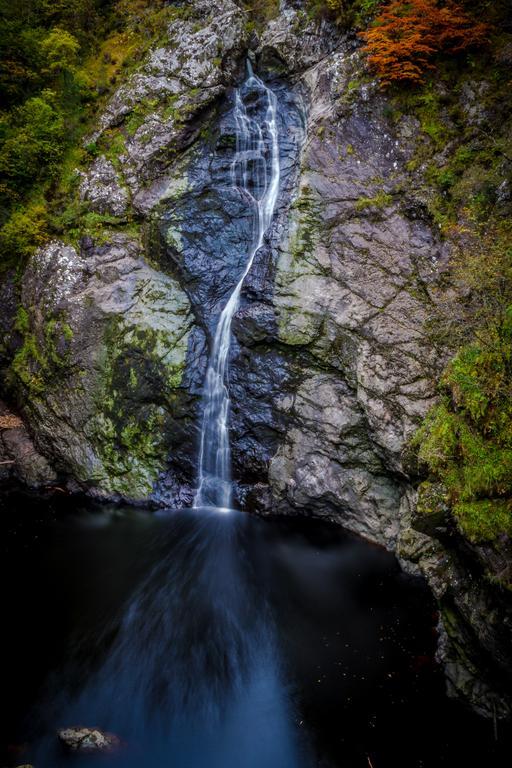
(209, 640)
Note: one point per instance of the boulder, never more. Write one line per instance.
(19, 457)
(88, 740)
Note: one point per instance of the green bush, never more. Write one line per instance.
(34, 142)
(466, 440)
(22, 233)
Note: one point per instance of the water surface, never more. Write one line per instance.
(209, 640)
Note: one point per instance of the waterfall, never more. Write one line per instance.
(255, 173)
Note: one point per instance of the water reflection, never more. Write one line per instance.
(192, 676)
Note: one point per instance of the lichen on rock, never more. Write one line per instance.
(102, 415)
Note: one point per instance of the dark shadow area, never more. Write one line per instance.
(206, 639)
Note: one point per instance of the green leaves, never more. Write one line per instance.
(466, 440)
(60, 50)
(33, 143)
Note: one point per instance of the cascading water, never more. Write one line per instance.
(255, 172)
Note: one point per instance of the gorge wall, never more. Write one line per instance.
(332, 366)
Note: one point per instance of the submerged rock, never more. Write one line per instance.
(87, 740)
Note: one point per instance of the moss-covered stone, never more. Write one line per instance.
(432, 508)
(130, 428)
(40, 356)
(295, 266)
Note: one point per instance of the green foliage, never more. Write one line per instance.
(22, 233)
(33, 144)
(58, 60)
(355, 13)
(466, 440)
(60, 50)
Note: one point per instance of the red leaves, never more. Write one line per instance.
(406, 35)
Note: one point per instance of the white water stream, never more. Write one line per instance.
(255, 172)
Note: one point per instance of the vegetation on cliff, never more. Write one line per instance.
(404, 38)
(446, 66)
(59, 60)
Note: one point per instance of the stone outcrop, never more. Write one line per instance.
(157, 112)
(104, 345)
(353, 287)
(88, 740)
(102, 190)
(19, 458)
(97, 340)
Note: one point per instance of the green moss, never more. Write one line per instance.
(114, 146)
(129, 434)
(139, 114)
(466, 440)
(296, 326)
(38, 361)
(484, 520)
(29, 365)
(381, 200)
(22, 322)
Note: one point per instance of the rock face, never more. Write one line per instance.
(157, 112)
(331, 367)
(103, 354)
(352, 291)
(102, 190)
(19, 458)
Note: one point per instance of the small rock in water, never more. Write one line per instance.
(78, 739)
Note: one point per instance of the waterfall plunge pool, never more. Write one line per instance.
(214, 641)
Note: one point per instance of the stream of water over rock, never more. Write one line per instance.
(255, 174)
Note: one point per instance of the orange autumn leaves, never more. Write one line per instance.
(406, 36)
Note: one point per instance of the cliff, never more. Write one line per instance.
(335, 362)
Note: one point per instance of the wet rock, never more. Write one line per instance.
(353, 288)
(19, 457)
(327, 462)
(105, 343)
(475, 624)
(88, 740)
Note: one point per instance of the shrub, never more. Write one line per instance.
(33, 144)
(466, 440)
(23, 232)
(405, 37)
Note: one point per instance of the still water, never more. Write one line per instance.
(207, 640)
